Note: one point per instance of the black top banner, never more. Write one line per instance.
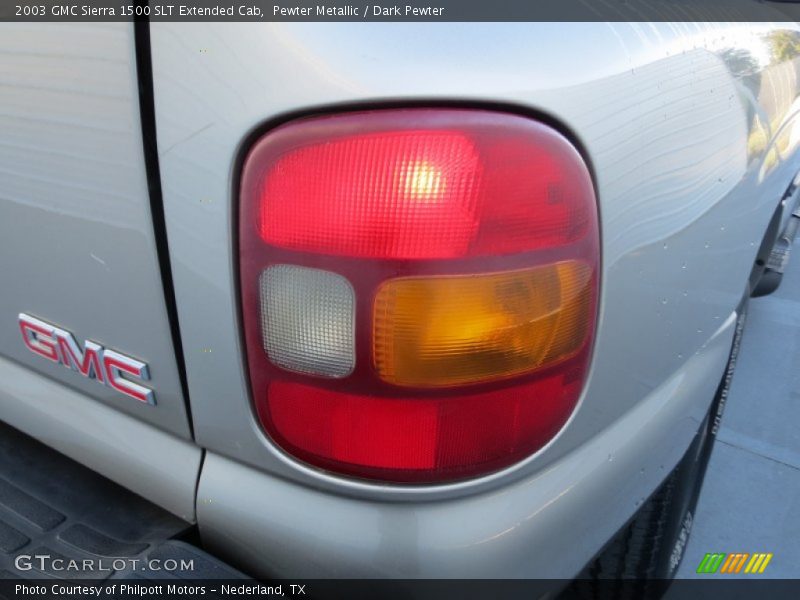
(400, 11)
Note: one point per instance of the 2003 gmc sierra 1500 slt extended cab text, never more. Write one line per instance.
(406, 300)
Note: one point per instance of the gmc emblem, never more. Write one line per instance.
(94, 362)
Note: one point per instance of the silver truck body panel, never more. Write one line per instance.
(683, 206)
(689, 130)
(691, 156)
(77, 246)
(134, 454)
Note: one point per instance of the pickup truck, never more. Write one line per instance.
(430, 300)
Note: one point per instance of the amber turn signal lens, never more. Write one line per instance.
(455, 330)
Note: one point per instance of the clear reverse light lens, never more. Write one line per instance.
(308, 320)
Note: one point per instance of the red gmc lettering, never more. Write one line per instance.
(87, 363)
(93, 362)
(38, 337)
(116, 363)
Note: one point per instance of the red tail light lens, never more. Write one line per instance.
(428, 186)
(417, 439)
(419, 289)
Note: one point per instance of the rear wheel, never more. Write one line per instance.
(650, 547)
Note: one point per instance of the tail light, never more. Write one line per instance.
(419, 289)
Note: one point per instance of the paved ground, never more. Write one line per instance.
(751, 497)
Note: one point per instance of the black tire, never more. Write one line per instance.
(644, 556)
